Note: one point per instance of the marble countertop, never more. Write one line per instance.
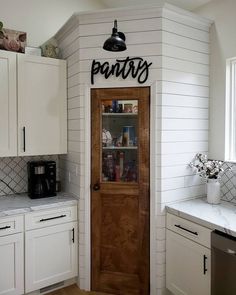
(21, 203)
(221, 217)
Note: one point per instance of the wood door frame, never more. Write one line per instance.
(87, 179)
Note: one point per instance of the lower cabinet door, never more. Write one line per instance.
(51, 255)
(187, 266)
(12, 265)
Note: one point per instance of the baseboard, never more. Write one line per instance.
(54, 287)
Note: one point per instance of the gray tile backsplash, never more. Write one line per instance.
(228, 183)
(13, 171)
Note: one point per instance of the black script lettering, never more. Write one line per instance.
(123, 68)
(115, 70)
(144, 72)
(95, 69)
(104, 69)
(126, 73)
(135, 71)
(123, 72)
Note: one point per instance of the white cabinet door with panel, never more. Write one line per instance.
(42, 106)
(8, 104)
(12, 264)
(187, 266)
(51, 255)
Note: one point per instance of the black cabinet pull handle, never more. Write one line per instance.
(73, 235)
(204, 264)
(51, 218)
(5, 227)
(188, 230)
(24, 139)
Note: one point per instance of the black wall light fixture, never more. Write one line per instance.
(117, 40)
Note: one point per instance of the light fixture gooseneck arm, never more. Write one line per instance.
(114, 30)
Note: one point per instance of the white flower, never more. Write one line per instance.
(207, 169)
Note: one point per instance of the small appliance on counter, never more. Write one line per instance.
(41, 179)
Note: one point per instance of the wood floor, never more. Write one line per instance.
(74, 290)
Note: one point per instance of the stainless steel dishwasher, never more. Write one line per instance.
(223, 270)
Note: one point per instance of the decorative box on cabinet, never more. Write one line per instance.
(50, 247)
(32, 89)
(188, 257)
(11, 256)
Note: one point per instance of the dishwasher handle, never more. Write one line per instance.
(231, 252)
(223, 242)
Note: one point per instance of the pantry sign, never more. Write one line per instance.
(136, 67)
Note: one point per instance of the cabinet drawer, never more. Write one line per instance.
(11, 225)
(190, 230)
(50, 217)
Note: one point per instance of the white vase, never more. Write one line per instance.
(213, 191)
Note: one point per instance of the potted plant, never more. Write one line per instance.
(211, 171)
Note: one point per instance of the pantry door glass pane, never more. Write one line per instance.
(119, 141)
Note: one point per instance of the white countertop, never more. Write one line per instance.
(221, 217)
(19, 204)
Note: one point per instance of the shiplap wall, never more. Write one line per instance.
(178, 45)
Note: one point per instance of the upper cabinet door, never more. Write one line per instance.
(8, 104)
(42, 106)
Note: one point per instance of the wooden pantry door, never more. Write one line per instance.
(120, 197)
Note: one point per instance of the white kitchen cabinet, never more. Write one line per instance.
(8, 105)
(51, 255)
(42, 106)
(188, 263)
(44, 254)
(12, 264)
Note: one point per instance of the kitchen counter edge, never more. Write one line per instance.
(221, 217)
(21, 203)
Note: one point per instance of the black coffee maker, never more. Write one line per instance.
(41, 179)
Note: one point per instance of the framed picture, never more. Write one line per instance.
(12, 40)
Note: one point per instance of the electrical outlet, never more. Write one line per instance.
(233, 169)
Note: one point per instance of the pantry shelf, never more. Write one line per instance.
(119, 114)
(120, 148)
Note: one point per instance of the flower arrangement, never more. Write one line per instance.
(207, 169)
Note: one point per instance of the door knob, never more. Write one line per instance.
(96, 187)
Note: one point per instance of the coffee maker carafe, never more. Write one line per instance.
(41, 179)
(41, 183)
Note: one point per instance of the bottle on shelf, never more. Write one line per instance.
(117, 173)
(121, 160)
(130, 172)
(111, 168)
(128, 136)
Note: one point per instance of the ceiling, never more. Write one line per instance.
(186, 4)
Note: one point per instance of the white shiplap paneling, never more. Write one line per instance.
(178, 46)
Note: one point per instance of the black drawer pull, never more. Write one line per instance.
(23, 139)
(5, 227)
(73, 235)
(51, 218)
(189, 231)
(204, 264)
